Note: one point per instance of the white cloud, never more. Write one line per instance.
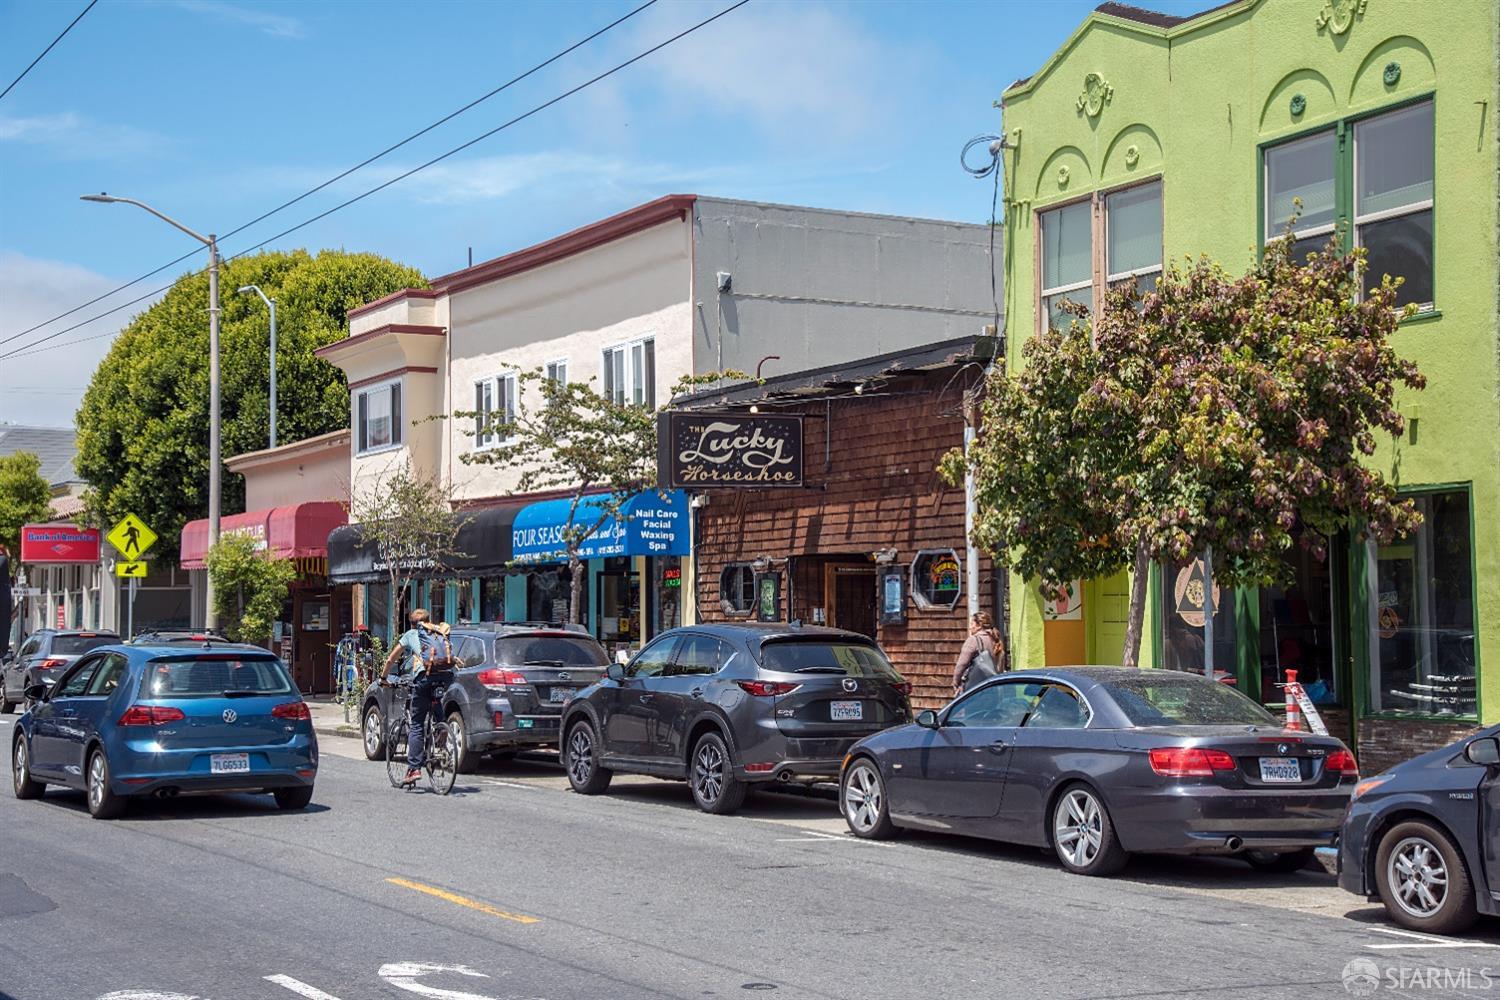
(74, 136)
(45, 387)
(278, 25)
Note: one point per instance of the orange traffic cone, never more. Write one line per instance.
(1293, 710)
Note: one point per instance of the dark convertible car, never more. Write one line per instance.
(1424, 837)
(1097, 762)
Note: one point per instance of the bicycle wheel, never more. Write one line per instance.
(395, 752)
(442, 761)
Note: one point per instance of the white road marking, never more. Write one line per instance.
(404, 975)
(299, 987)
(510, 784)
(146, 995)
(1424, 941)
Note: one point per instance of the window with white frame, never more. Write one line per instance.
(378, 416)
(1127, 222)
(1302, 171)
(1393, 175)
(557, 371)
(629, 373)
(494, 408)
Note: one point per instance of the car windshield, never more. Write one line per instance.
(215, 677)
(1160, 698)
(811, 656)
(550, 651)
(72, 645)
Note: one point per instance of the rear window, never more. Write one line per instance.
(72, 645)
(549, 651)
(215, 678)
(1159, 698)
(799, 656)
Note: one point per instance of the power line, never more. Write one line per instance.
(27, 349)
(332, 180)
(38, 59)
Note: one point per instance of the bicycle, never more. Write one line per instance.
(441, 759)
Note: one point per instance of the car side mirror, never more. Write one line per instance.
(36, 692)
(1485, 751)
(927, 719)
(615, 672)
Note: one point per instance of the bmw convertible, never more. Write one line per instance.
(1098, 762)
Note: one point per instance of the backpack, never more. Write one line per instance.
(437, 650)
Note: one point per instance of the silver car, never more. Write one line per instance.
(43, 657)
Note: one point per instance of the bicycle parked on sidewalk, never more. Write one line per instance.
(440, 762)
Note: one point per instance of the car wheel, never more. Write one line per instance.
(463, 760)
(715, 788)
(103, 803)
(1083, 836)
(24, 785)
(581, 758)
(373, 728)
(862, 800)
(1279, 862)
(1422, 879)
(293, 798)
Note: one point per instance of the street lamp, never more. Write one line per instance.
(210, 618)
(270, 304)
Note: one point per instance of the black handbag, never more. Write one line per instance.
(981, 668)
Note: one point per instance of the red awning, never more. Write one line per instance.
(296, 532)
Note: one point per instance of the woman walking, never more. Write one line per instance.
(982, 655)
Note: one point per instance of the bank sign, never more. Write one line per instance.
(719, 450)
(59, 543)
(650, 524)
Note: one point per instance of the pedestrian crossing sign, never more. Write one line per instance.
(136, 569)
(131, 537)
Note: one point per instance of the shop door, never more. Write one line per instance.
(852, 598)
(312, 665)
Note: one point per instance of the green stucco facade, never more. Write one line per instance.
(1196, 102)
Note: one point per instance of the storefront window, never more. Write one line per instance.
(1296, 631)
(666, 591)
(1182, 616)
(547, 596)
(492, 599)
(737, 589)
(937, 579)
(1422, 614)
(619, 593)
(377, 610)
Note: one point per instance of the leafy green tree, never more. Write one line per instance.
(143, 425)
(408, 518)
(1217, 411)
(25, 498)
(249, 587)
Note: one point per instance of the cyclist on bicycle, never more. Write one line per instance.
(431, 652)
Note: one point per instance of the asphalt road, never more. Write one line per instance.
(514, 887)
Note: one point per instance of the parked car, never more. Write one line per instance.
(178, 636)
(1098, 762)
(43, 657)
(729, 706)
(130, 720)
(1421, 837)
(507, 693)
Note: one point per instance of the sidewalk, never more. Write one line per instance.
(328, 717)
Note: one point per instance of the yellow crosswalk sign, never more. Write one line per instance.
(136, 569)
(131, 537)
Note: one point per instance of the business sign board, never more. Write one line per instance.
(703, 450)
(59, 543)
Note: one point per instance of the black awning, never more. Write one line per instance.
(484, 538)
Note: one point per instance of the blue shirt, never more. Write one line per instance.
(411, 643)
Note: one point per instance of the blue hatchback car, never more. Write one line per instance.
(130, 720)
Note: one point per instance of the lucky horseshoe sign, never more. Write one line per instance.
(700, 450)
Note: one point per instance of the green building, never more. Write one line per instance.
(1149, 137)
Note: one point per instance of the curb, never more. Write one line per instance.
(347, 730)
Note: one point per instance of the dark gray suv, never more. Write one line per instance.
(727, 706)
(507, 693)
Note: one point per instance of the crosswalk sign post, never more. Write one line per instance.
(131, 537)
(134, 570)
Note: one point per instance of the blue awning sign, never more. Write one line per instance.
(650, 524)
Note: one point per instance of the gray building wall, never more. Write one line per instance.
(821, 287)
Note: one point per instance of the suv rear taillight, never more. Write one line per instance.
(51, 663)
(292, 710)
(1342, 762)
(767, 689)
(151, 715)
(904, 687)
(1189, 762)
(494, 677)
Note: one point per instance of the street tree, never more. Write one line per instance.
(568, 436)
(24, 497)
(1216, 413)
(407, 517)
(143, 424)
(250, 587)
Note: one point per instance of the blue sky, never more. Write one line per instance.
(215, 112)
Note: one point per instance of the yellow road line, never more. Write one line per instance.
(472, 904)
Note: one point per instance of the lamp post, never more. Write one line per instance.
(215, 475)
(271, 305)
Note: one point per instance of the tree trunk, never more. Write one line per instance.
(575, 588)
(1131, 655)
